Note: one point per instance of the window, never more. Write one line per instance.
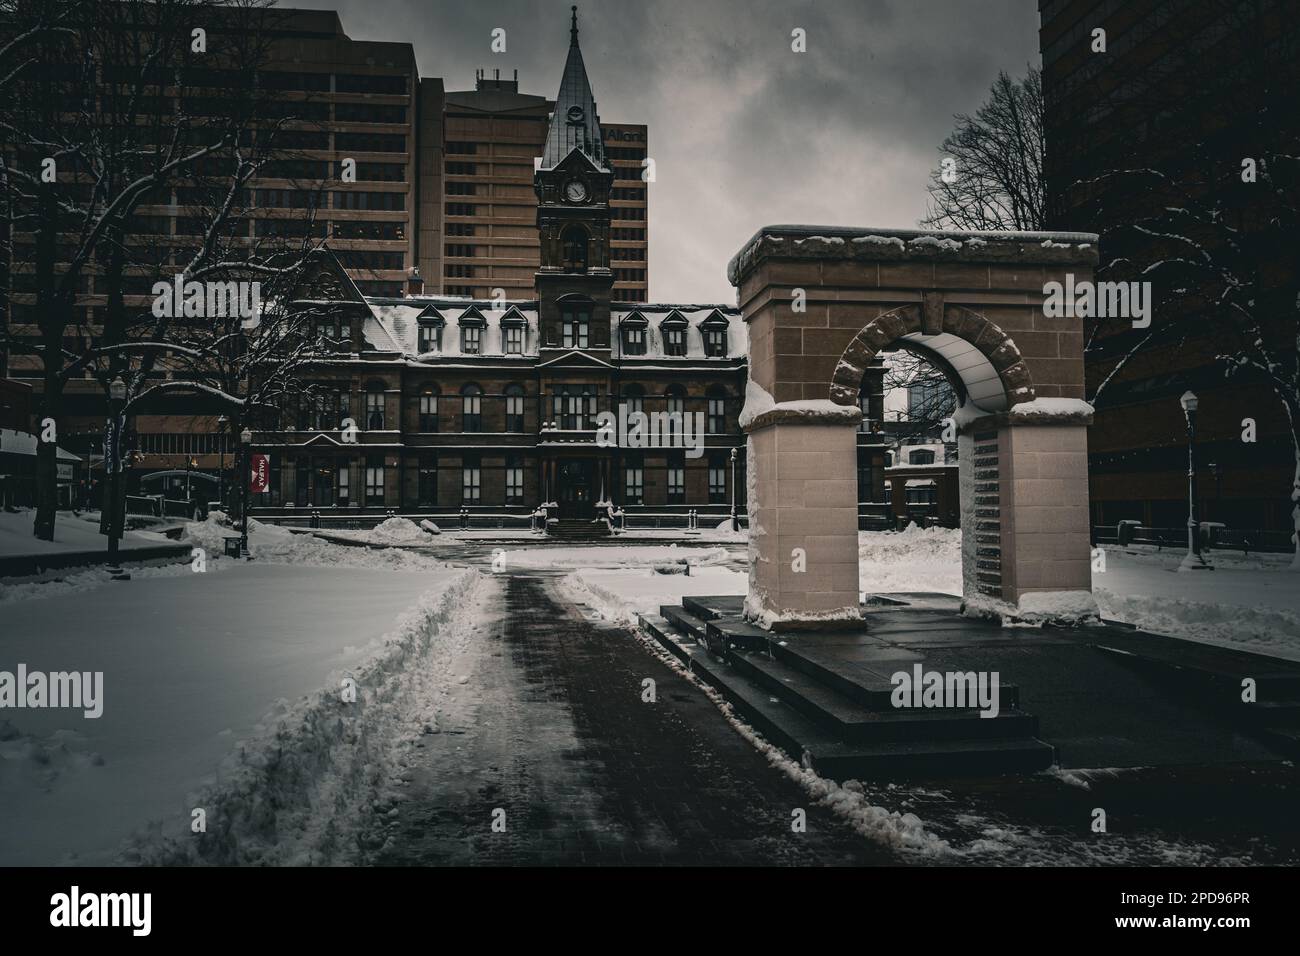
(717, 479)
(375, 406)
(674, 340)
(715, 342)
(514, 339)
(374, 479)
(633, 340)
(575, 323)
(514, 408)
(514, 480)
(574, 406)
(920, 456)
(574, 249)
(470, 336)
(634, 479)
(430, 336)
(716, 423)
(428, 481)
(866, 475)
(676, 479)
(428, 410)
(471, 408)
(675, 404)
(471, 485)
(864, 403)
(343, 483)
(634, 399)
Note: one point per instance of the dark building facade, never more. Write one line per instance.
(438, 404)
(1146, 143)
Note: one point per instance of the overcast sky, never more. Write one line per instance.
(744, 132)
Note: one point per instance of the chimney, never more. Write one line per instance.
(414, 284)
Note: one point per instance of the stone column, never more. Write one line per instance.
(803, 517)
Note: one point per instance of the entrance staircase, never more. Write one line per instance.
(578, 529)
(835, 716)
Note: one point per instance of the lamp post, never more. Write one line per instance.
(735, 522)
(113, 462)
(223, 425)
(1194, 560)
(245, 443)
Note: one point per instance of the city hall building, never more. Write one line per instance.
(437, 404)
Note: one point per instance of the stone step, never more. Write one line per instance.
(725, 633)
(706, 608)
(851, 721)
(688, 624)
(667, 635)
(803, 739)
(863, 685)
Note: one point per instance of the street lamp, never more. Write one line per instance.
(735, 522)
(113, 461)
(245, 442)
(1194, 560)
(223, 423)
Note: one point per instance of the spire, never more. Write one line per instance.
(574, 124)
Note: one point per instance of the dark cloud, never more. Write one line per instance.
(744, 131)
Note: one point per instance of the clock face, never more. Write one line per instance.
(575, 190)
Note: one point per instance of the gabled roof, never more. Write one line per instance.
(635, 319)
(513, 316)
(574, 359)
(715, 319)
(575, 124)
(472, 316)
(674, 318)
(430, 316)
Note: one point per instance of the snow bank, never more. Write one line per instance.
(915, 559)
(620, 595)
(397, 530)
(613, 556)
(298, 792)
(71, 533)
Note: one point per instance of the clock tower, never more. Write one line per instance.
(573, 185)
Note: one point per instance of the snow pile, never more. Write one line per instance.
(71, 533)
(880, 240)
(620, 595)
(298, 792)
(397, 530)
(271, 543)
(935, 241)
(61, 583)
(915, 559)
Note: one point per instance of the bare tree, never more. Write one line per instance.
(990, 175)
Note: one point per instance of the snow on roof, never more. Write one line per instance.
(14, 442)
(394, 326)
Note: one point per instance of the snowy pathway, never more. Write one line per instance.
(191, 664)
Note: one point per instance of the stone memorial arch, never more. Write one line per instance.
(820, 303)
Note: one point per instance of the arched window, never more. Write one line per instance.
(471, 408)
(514, 408)
(574, 249)
(575, 323)
(429, 409)
(716, 423)
(375, 406)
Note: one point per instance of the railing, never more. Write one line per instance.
(158, 506)
(1213, 537)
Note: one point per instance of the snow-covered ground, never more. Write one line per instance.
(222, 690)
(1249, 603)
(71, 533)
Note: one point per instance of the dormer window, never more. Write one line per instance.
(714, 332)
(674, 332)
(634, 334)
(512, 332)
(431, 324)
(471, 332)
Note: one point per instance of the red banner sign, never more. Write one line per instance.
(259, 473)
